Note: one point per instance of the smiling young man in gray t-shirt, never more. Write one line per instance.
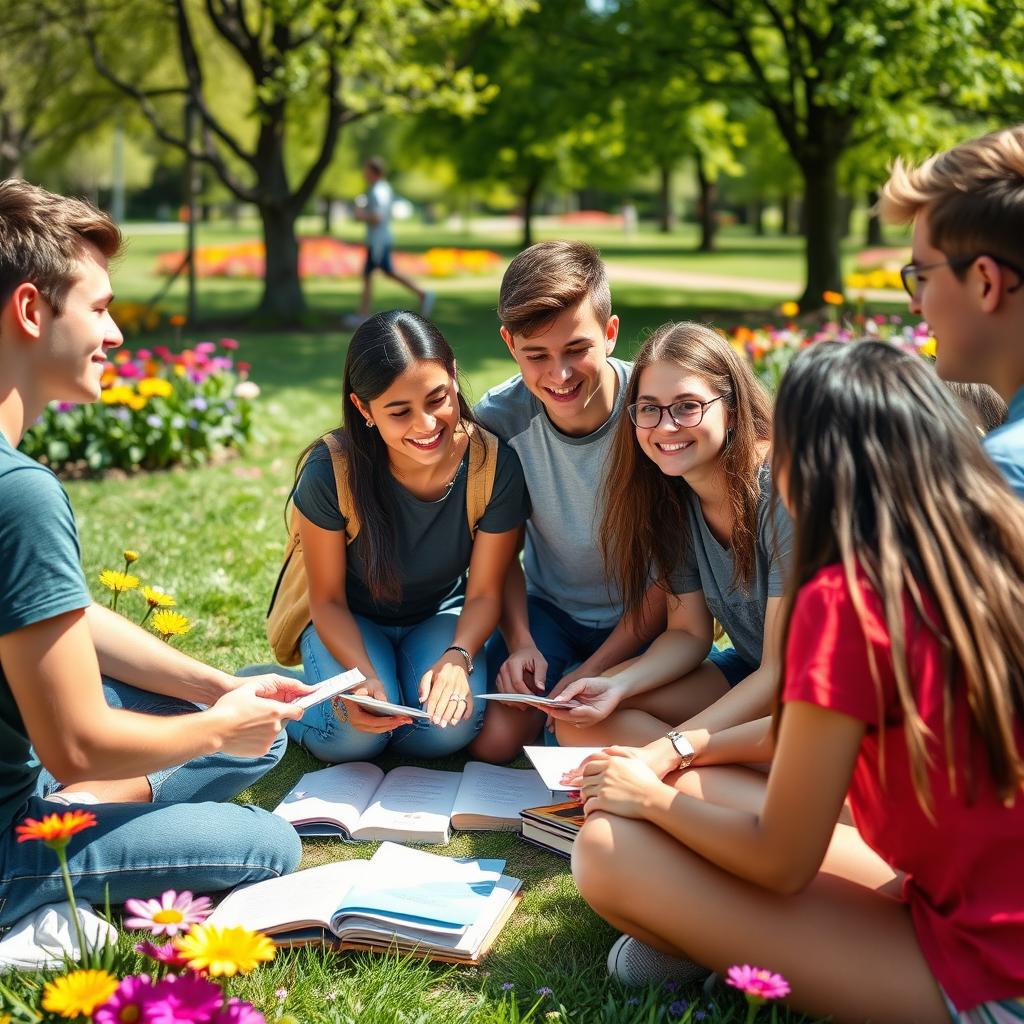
(557, 414)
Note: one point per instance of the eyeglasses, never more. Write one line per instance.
(687, 413)
(909, 274)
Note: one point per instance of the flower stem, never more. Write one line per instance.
(149, 611)
(113, 605)
(62, 857)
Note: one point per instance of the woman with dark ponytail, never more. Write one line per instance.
(395, 602)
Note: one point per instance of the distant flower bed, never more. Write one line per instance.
(156, 409)
(878, 269)
(771, 348)
(328, 257)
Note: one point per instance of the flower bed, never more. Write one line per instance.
(157, 409)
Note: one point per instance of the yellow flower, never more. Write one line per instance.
(118, 581)
(130, 556)
(79, 993)
(169, 624)
(155, 387)
(833, 298)
(789, 308)
(224, 951)
(157, 598)
(179, 370)
(929, 348)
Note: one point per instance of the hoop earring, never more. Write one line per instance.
(370, 424)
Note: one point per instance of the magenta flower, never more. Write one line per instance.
(184, 999)
(128, 1003)
(171, 914)
(229, 343)
(237, 1012)
(129, 371)
(757, 984)
(168, 955)
(206, 347)
(143, 353)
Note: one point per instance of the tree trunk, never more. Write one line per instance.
(666, 215)
(874, 234)
(328, 202)
(283, 301)
(786, 211)
(757, 217)
(529, 201)
(845, 214)
(708, 208)
(821, 211)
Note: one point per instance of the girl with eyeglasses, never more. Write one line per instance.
(902, 689)
(688, 502)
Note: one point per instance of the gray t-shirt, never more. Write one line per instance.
(378, 200)
(562, 559)
(433, 544)
(709, 567)
(40, 578)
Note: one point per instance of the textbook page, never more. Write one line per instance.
(331, 799)
(412, 804)
(553, 762)
(491, 797)
(301, 900)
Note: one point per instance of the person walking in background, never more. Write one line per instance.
(374, 210)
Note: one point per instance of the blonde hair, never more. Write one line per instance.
(549, 278)
(973, 195)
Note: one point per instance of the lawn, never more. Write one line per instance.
(213, 537)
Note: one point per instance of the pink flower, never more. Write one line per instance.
(237, 1012)
(229, 343)
(163, 352)
(171, 914)
(244, 368)
(756, 983)
(143, 353)
(168, 954)
(205, 348)
(184, 999)
(129, 370)
(130, 1001)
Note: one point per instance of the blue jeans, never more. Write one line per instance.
(183, 840)
(731, 664)
(400, 656)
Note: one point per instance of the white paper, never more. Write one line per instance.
(529, 698)
(338, 794)
(553, 762)
(411, 800)
(383, 707)
(497, 792)
(331, 688)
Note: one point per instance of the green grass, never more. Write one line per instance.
(213, 537)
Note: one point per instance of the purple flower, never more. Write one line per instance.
(633, 1001)
(237, 1012)
(671, 986)
(699, 1015)
(187, 999)
(154, 421)
(543, 991)
(507, 986)
(166, 954)
(198, 403)
(129, 1001)
(193, 424)
(120, 413)
(196, 376)
(678, 1008)
(65, 406)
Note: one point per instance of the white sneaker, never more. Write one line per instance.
(427, 304)
(350, 321)
(634, 963)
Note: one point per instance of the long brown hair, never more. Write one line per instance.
(645, 524)
(886, 477)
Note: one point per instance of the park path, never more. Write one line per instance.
(689, 280)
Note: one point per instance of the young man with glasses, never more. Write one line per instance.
(967, 269)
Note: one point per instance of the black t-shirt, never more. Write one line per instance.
(433, 544)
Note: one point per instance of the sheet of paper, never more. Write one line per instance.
(528, 698)
(330, 688)
(412, 800)
(487, 789)
(340, 793)
(305, 897)
(553, 762)
(383, 707)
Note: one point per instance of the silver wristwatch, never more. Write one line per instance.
(683, 747)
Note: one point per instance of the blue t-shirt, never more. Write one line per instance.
(433, 544)
(1005, 445)
(40, 578)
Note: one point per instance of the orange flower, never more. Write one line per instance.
(178, 320)
(55, 829)
(833, 298)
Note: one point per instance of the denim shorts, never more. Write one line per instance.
(731, 664)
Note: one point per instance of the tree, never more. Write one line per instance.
(294, 63)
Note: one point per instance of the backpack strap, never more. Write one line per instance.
(483, 464)
(346, 506)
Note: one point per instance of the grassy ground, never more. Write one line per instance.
(213, 537)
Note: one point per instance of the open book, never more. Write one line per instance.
(554, 826)
(358, 801)
(401, 899)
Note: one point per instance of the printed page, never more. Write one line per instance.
(553, 762)
(411, 804)
(337, 795)
(535, 699)
(303, 899)
(492, 797)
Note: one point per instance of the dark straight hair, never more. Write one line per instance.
(885, 476)
(381, 350)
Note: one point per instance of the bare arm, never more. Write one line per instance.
(54, 676)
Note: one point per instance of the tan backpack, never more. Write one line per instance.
(289, 614)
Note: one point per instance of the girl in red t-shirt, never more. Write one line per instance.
(902, 689)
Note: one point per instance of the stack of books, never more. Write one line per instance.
(553, 826)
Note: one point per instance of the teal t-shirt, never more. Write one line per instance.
(40, 578)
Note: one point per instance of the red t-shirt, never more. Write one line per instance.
(965, 872)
